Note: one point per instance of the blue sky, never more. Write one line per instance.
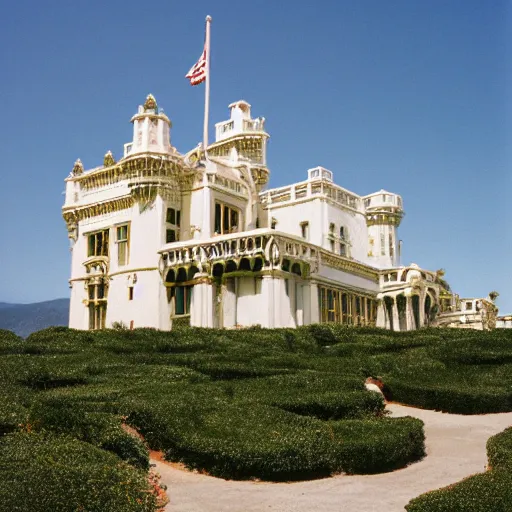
(409, 96)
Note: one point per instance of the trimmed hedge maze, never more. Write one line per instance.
(277, 405)
(479, 493)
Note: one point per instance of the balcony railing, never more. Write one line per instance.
(272, 246)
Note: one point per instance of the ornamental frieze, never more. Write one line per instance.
(75, 215)
(352, 267)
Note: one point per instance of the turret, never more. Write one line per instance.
(151, 130)
(242, 139)
(383, 216)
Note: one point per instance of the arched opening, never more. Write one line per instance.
(428, 308)
(416, 310)
(296, 269)
(182, 275)
(231, 266)
(401, 304)
(388, 306)
(245, 264)
(192, 271)
(218, 270)
(171, 276)
(257, 264)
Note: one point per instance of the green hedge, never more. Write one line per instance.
(490, 491)
(461, 397)
(100, 429)
(43, 472)
(9, 342)
(499, 450)
(284, 446)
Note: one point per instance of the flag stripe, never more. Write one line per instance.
(197, 73)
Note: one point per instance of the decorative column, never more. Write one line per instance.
(381, 313)
(409, 315)
(314, 306)
(267, 294)
(201, 314)
(396, 318)
(422, 308)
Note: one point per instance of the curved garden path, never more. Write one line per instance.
(455, 449)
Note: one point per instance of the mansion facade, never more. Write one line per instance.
(160, 238)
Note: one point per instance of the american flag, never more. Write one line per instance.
(197, 73)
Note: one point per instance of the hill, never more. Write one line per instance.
(24, 319)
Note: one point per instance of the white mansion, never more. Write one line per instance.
(160, 238)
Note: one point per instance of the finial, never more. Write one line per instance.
(78, 168)
(150, 103)
(208, 18)
(108, 160)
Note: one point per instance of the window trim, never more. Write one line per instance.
(231, 209)
(89, 234)
(127, 242)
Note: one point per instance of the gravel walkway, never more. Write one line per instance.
(455, 449)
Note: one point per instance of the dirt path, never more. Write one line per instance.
(455, 449)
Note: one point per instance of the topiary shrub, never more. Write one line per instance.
(100, 429)
(9, 342)
(499, 450)
(44, 472)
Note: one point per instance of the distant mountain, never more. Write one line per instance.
(24, 319)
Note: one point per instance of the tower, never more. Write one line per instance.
(151, 130)
(242, 139)
(383, 216)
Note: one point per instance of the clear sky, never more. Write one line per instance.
(407, 95)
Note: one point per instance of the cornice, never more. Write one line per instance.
(350, 266)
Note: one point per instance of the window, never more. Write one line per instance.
(469, 306)
(122, 233)
(97, 305)
(130, 293)
(382, 245)
(226, 219)
(304, 227)
(182, 299)
(173, 217)
(342, 232)
(97, 243)
(173, 224)
(391, 248)
(367, 202)
(170, 236)
(273, 223)
(343, 249)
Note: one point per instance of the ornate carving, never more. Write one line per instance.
(150, 103)
(94, 210)
(352, 267)
(72, 226)
(108, 160)
(78, 168)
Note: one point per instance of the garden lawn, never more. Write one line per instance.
(254, 403)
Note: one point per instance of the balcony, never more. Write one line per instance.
(275, 249)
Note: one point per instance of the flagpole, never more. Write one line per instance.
(207, 85)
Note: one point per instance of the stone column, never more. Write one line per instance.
(201, 307)
(422, 308)
(409, 315)
(299, 303)
(314, 306)
(381, 315)
(396, 318)
(229, 303)
(267, 294)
